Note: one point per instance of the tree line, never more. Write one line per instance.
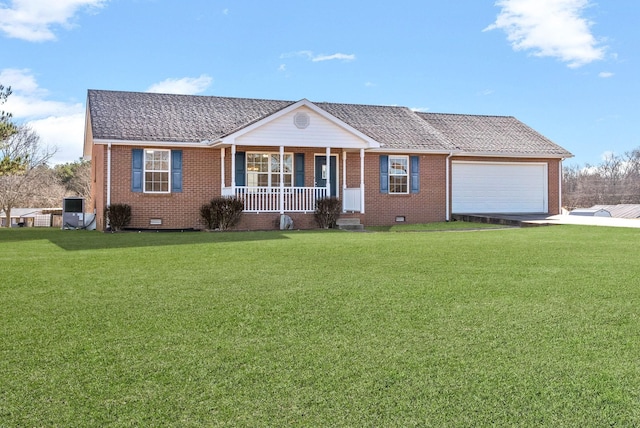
(26, 179)
(616, 180)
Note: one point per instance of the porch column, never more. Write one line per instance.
(233, 168)
(328, 172)
(362, 181)
(222, 183)
(344, 169)
(344, 178)
(281, 179)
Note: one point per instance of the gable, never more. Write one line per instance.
(302, 127)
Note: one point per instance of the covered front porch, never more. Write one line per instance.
(291, 159)
(282, 188)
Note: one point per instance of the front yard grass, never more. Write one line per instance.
(527, 327)
(435, 227)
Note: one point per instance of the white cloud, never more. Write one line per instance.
(282, 67)
(485, 93)
(319, 58)
(420, 109)
(66, 133)
(605, 74)
(59, 124)
(32, 20)
(339, 56)
(185, 85)
(549, 28)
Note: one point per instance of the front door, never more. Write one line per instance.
(321, 173)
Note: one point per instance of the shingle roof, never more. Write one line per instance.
(140, 116)
(393, 127)
(492, 134)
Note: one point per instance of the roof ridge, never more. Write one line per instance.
(464, 114)
(187, 95)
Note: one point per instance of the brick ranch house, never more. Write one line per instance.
(166, 155)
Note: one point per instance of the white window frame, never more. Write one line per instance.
(270, 173)
(161, 171)
(392, 174)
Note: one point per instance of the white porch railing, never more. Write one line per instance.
(351, 199)
(268, 199)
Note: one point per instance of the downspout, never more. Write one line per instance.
(560, 173)
(109, 174)
(108, 180)
(448, 191)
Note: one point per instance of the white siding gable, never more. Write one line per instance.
(320, 132)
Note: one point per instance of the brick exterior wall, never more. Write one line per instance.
(201, 169)
(428, 205)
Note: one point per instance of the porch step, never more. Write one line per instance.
(349, 224)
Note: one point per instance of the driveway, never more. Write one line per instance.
(588, 221)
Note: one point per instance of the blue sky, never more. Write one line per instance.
(567, 68)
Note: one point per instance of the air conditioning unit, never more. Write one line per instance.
(73, 213)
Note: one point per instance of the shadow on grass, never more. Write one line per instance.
(75, 240)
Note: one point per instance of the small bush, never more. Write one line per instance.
(207, 216)
(327, 212)
(221, 213)
(118, 216)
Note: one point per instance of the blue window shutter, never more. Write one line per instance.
(176, 171)
(137, 156)
(298, 161)
(384, 174)
(240, 169)
(414, 165)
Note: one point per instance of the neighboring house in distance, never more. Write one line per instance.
(30, 217)
(166, 155)
(631, 211)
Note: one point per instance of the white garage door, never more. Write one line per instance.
(498, 187)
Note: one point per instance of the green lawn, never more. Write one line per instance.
(528, 327)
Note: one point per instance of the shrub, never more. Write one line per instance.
(118, 216)
(222, 213)
(327, 212)
(207, 216)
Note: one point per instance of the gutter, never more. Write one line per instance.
(200, 144)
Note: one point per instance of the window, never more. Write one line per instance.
(263, 169)
(398, 174)
(151, 169)
(156, 171)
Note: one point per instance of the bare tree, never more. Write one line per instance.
(614, 181)
(76, 177)
(24, 157)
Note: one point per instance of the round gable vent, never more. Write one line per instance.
(301, 120)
